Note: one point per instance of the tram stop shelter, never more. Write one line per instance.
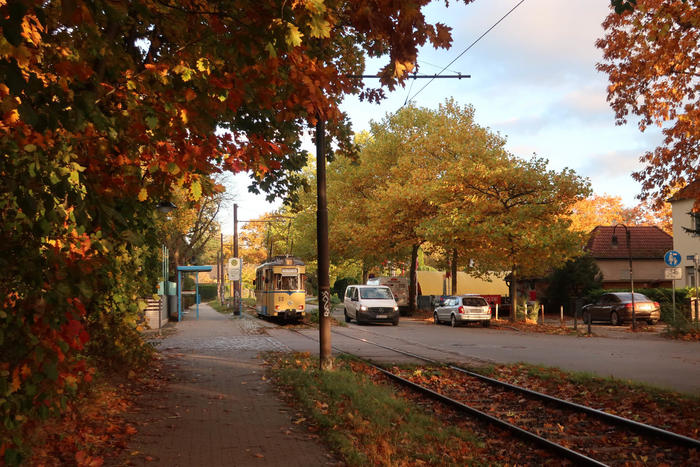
(185, 269)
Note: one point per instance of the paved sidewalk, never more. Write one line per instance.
(218, 410)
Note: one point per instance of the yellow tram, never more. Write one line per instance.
(279, 288)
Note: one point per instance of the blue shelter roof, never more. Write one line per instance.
(194, 268)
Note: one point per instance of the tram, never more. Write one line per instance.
(279, 288)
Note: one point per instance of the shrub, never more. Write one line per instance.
(341, 284)
(207, 292)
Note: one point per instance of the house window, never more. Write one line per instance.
(690, 276)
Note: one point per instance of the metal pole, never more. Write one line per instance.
(236, 284)
(164, 296)
(179, 297)
(324, 288)
(629, 251)
(221, 285)
(697, 302)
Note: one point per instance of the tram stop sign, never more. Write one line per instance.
(234, 269)
(672, 258)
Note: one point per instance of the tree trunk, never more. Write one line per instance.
(453, 267)
(413, 281)
(513, 294)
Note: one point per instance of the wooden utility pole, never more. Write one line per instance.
(324, 287)
(221, 264)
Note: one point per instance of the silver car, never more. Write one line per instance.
(460, 309)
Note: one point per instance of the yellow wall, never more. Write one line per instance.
(431, 283)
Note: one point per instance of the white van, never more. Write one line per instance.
(370, 304)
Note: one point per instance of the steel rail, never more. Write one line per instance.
(577, 457)
(638, 426)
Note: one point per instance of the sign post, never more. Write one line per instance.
(235, 270)
(695, 258)
(672, 259)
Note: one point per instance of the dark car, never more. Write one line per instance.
(616, 308)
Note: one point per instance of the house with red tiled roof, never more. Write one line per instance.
(686, 230)
(647, 246)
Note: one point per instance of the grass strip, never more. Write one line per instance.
(364, 421)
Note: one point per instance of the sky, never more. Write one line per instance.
(533, 80)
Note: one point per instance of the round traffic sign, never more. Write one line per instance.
(672, 258)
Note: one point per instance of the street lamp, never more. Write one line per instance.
(629, 253)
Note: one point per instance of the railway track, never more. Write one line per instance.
(581, 434)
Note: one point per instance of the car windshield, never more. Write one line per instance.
(474, 301)
(380, 293)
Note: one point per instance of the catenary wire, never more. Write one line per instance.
(467, 49)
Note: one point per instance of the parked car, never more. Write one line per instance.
(463, 309)
(616, 308)
(370, 304)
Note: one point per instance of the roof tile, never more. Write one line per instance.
(647, 242)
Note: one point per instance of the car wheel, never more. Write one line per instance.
(485, 323)
(347, 317)
(652, 321)
(615, 319)
(453, 321)
(395, 322)
(435, 318)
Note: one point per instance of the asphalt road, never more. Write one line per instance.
(642, 357)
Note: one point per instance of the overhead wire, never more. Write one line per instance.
(466, 50)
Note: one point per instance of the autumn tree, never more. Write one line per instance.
(192, 227)
(105, 107)
(651, 55)
(596, 210)
(517, 210)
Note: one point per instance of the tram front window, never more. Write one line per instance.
(286, 282)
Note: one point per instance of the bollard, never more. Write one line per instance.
(561, 315)
(497, 311)
(542, 308)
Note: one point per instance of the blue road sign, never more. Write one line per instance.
(672, 258)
